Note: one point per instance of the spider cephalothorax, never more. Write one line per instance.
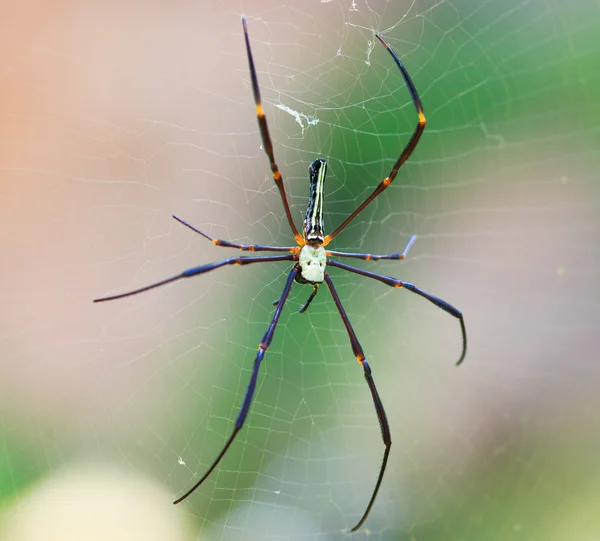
(310, 259)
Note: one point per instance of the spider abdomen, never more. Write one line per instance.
(313, 223)
(312, 261)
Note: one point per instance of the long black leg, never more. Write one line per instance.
(383, 422)
(406, 151)
(243, 247)
(305, 306)
(266, 137)
(262, 348)
(374, 257)
(201, 270)
(394, 282)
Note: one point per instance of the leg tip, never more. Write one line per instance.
(386, 45)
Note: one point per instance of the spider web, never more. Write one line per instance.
(115, 116)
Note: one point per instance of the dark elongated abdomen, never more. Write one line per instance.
(313, 223)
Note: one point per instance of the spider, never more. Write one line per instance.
(311, 259)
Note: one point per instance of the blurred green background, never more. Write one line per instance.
(116, 115)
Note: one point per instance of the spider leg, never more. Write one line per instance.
(266, 137)
(388, 280)
(243, 247)
(262, 348)
(307, 303)
(201, 270)
(383, 422)
(310, 299)
(373, 257)
(406, 151)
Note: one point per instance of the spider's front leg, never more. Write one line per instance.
(381, 416)
(262, 348)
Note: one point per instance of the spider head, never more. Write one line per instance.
(313, 223)
(312, 261)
